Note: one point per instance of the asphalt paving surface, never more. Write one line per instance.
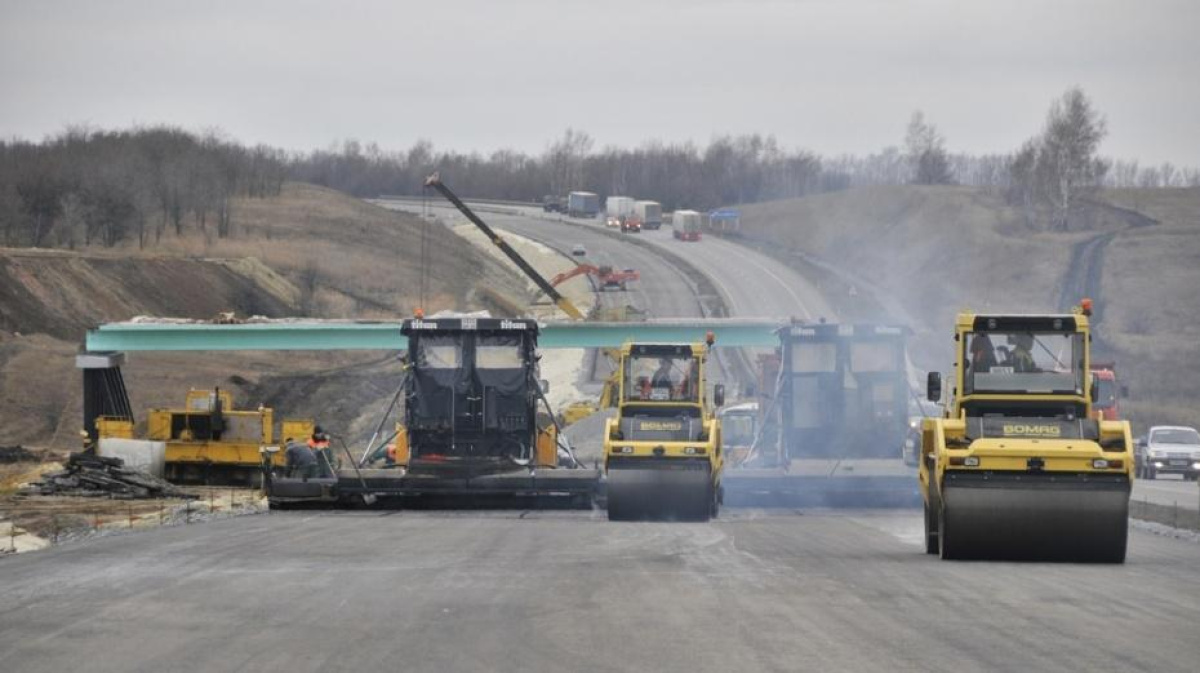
(563, 591)
(1168, 491)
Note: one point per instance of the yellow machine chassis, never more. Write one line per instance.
(663, 479)
(1027, 494)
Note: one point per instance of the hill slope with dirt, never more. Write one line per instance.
(311, 251)
(929, 252)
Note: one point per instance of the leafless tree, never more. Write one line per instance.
(1070, 140)
(926, 152)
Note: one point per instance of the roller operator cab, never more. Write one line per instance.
(1018, 468)
(662, 451)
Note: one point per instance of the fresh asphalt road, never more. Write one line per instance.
(1168, 491)
(564, 591)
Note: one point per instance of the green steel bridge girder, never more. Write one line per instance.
(385, 335)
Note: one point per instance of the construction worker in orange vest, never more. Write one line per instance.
(319, 443)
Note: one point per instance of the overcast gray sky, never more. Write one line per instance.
(828, 75)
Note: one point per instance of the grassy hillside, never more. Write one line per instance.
(1152, 319)
(310, 251)
(932, 251)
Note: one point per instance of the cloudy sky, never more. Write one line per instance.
(828, 75)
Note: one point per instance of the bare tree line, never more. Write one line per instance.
(739, 169)
(1045, 177)
(91, 187)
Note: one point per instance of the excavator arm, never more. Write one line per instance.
(580, 270)
(559, 300)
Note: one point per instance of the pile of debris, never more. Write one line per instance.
(92, 476)
(16, 454)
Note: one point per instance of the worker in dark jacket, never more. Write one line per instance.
(301, 461)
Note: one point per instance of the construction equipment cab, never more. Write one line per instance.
(210, 441)
(834, 418)
(475, 426)
(662, 451)
(472, 396)
(1018, 468)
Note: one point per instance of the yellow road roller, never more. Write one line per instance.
(662, 451)
(1017, 468)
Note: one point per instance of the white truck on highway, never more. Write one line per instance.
(619, 206)
(621, 213)
(686, 225)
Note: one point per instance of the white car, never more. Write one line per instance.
(1170, 449)
(579, 250)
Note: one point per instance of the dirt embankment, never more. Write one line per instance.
(311, 251)
(934, 251)
(62, 294)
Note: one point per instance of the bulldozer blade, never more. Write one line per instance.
(1035, 517)
(668, 490)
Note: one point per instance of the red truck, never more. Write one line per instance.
(1107, 393)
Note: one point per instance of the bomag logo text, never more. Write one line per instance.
(1037, 430)
(660, 426)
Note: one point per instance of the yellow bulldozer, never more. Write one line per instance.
(662, 451)
(1017, 468)
(209, 441)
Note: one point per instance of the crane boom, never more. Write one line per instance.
(559, 300)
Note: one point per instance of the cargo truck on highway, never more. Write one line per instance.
(621, 210)
(650, 213)
(686, 225)
(619, 206)
(583, 204)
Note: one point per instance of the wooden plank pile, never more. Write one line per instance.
(93, 476)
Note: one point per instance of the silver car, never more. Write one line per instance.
(1170, 449)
